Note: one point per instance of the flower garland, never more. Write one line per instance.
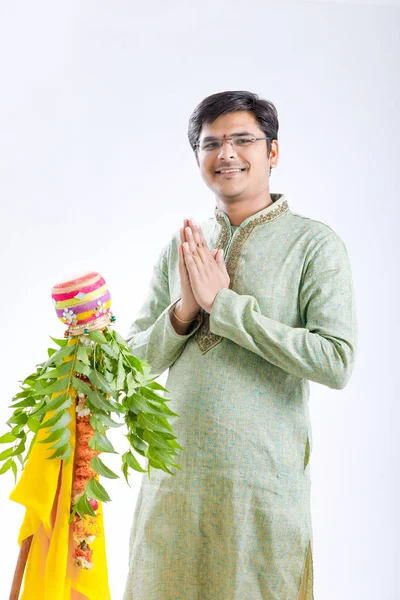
(84, 530)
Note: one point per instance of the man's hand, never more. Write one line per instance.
(206, 270)
(188, 307)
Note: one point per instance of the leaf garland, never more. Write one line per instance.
(116, 385)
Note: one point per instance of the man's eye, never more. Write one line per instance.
(243, 141)
(211, 145)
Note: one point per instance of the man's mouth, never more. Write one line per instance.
(228, 171)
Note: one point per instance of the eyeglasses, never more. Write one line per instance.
(209, 145)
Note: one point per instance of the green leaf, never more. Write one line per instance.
(81, 386)
(82, 369)
(6, 453)
(59, 356)
(100, 382)
(162, 458)
(132, 462)
(60, 371)
(62, 422)
(157, 441)
(94, 489)
(99, 401)
(19, 418)
(132, 384)
(137, 443)
(61, 343)
(7, 465)
(146, 393)
(83, 507)
(125, 472)
(98, 337)
(14, 470)
(20, 449)
(53, 437)
(100, 468)
(110, 351)
(34, 424)
(107, 421)
(62, 453)
(7, 438)
(154, 423)
(156, 386)
(55, 419)
(96, 424)
(66, 434)
(120, 374)
(24, 403)
(60, 402)
(61, 385)
(83, 354)
(100, 442)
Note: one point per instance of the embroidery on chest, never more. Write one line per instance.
(203, 337)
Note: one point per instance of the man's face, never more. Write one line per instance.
(253, 160)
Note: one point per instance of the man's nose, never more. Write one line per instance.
(227, 149)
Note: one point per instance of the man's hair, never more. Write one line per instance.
(221, 103)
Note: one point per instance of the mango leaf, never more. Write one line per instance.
(100, 468)
(100, 442)
(100, 382)
(62, 422)
(98, 337)
(7, 438)
(20, 448)
(137, 443)
(94, 489)
(162, 459)
(6, 466)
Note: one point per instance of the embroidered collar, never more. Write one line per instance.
(278, 207)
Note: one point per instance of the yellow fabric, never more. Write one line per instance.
(50, 573)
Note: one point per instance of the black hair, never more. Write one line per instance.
(221, 103)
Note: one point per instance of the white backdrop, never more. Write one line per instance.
(96, 173)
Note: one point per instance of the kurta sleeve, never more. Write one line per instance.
(324, 349)
(151, 336)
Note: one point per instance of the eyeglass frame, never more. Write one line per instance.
(230, 139)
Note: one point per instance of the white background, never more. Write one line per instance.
(96, 173)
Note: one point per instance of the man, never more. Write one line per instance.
(244, 311)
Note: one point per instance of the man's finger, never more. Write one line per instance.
(190, 262)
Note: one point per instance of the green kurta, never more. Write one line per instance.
(235, 523)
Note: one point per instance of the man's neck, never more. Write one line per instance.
(238, 212)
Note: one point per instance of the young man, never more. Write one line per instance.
(244, 311)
